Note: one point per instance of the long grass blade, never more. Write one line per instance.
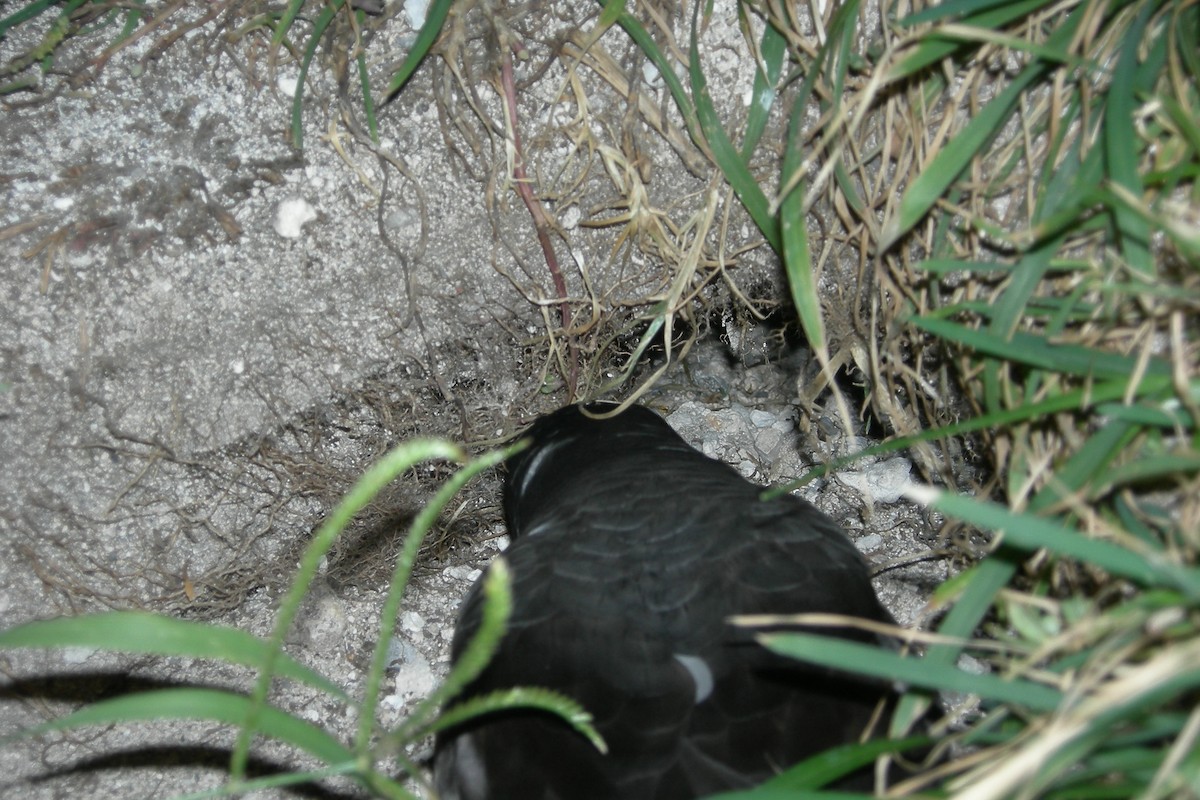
(495, 615)
(322, 22)
(772, 47)
(142, 632)
(395, 462)
(212, 705)
(1030, 532)
(865, 659)
(1034, 350)
(727, 158)
(1119, 146)
(435, 18)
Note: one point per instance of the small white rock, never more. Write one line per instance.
(77, 655)
(762, 419)
(460, 573)
(414, 623)
(414, 678)
(570, 217)
(768, 441)
(651, 76)
(415, 11)
(882, 482)
(287, 85)
(291, 215)
(868, 543)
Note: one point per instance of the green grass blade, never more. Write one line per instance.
(401, 458)
(132, 18)
(1186, 21)
(947, 165)
(797, 263)
(1009, 308)
(969, 34)
(28, 12)
(285, 23)
(522, 697)
(141, 632)
(642, 39)
(647, 45)
(796, 252)
(365, 86)
(1166, 414)
(848, 189)
(1030, 532)
(435, 18)
(310, 50)
(496, 609)
(972, 9)
(979, 592)
(1151, 468)
(822, 769)
(772, 47)
(200, 704)
(865, 659)
(1034, 350)
(836, 762)
(400, 577)
(727, 158)
(1189, 126)
(1094, 456)
(990, 16)
(1075, 400)
(612, 10)
(1120, 146)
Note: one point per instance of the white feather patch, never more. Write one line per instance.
(702, 677)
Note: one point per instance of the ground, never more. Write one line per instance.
(208, 334)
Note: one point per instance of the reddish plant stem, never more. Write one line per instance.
(540, 222)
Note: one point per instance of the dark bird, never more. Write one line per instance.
(630, 549)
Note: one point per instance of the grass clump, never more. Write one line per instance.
(1020, 181)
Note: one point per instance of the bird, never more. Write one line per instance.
(629, 552)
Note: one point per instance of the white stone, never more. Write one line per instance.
(287, 85)
(868, 543)
(762, 419)
(882, 482)
(291, 215)
(415, 11)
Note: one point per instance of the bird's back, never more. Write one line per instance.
(630, 551)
